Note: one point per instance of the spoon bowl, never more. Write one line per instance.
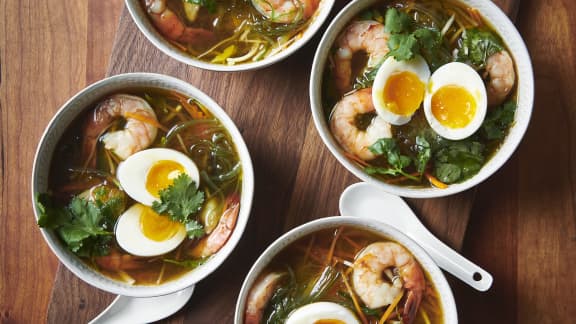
(125, 309)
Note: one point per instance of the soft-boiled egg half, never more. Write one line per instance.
(141, 231)
(399, 88)
(455, 103)
(322, 312)
(145, 173)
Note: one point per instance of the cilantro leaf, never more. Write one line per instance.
(477, 46)
(397, 21)
(406, 40)
(82, 225)
(50, 216)
(498, 121)
(427, 38)
(402, 46)
(397, 161)
(180, 200)
(194, 229)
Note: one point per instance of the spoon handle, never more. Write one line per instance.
(453, 262)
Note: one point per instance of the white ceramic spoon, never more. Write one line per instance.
(366, 200)
(134, 310)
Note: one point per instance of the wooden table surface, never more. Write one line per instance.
(522, 225)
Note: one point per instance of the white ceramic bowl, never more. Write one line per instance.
(85, 100)
(525, 81)
(140, 17)
(439, 281)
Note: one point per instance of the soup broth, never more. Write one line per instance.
(87, 197)
(422, 38)
(231, 32)
(320, 267)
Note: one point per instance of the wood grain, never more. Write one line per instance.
(289, 158)
(525, 230)
(523, 224)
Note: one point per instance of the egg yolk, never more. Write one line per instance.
(161, 175)
(329, 321)
(453, 106)
(403, 93)
(157, 227)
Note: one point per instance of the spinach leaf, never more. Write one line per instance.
(424, 153)
(477, 46)
(291, 295)
(498, 121)
(188, 263)
(458, 161)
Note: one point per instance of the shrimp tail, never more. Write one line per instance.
(411, 306)
(215, 241)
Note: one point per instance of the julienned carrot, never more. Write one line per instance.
(333, 246)
(435, 182)
(473, 12)
(391, 308)
(146, 120)
(195, 111)
(356, 159)
(354, 300)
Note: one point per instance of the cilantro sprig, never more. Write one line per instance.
(397, 161)
(180, 201)
(85, 224)
(477, 45)
(407, 40)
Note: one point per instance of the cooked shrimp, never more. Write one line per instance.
(215, 241)
(170, 25)
(501, 77)
(260, 295)
(369, 269)
(118, 262)
(343, 124)
(286, 11)
(367, 36)
(138, 133)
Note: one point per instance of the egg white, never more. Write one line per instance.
(417, 65)
(133, 171)
(314, 312)
(130, 237)
(459, 74)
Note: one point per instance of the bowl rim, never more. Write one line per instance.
(97, 91)
(436, 275)
(525, 99)
(145, 26)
